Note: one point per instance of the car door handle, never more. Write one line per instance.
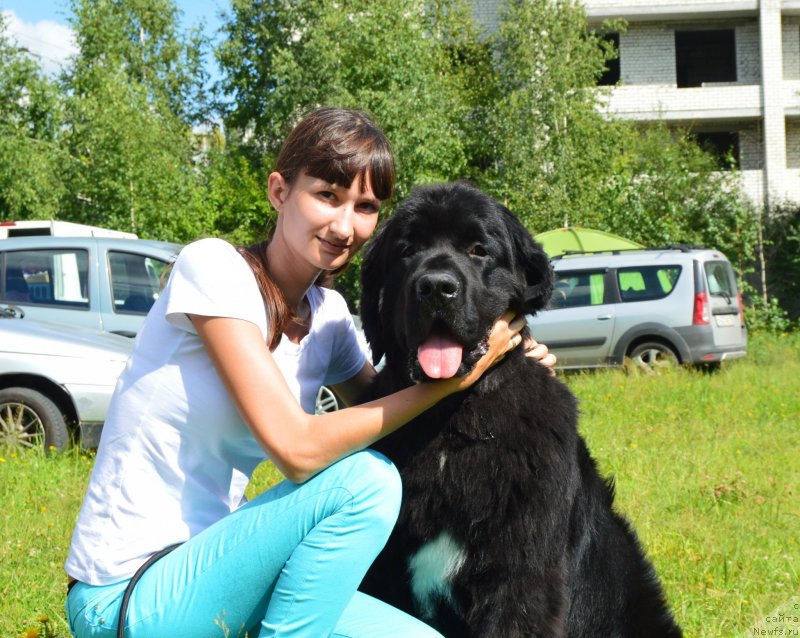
(603, 317)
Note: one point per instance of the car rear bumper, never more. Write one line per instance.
(702, 349)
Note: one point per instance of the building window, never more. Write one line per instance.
(705, 56)
(610, 76)
(723, 145)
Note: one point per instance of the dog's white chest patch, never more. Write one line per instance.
(432, 569)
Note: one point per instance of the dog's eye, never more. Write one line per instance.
(405, 250)
(477, 250)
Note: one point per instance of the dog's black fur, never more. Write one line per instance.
(498, 474)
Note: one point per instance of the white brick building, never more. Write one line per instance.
(727, 69)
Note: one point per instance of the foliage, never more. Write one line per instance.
(128, 123)
(282, 59)
(545, 148)
(348, 283)
(30, 183)
(235, 192)
(664, 189)
(769, 316)
(782, 254)
(140, 39)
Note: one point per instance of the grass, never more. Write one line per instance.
(705, 467)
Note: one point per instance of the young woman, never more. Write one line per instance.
(223, 375)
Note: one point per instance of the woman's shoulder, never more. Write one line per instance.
(206, 246)
(209, 254)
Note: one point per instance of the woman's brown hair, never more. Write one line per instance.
(337, 145)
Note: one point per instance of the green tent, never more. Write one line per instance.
(559, 241)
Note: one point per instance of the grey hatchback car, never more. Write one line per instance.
(650, 307)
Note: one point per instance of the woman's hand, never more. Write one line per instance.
(503, 338)
(539, 352)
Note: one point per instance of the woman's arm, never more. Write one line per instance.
(300, 444)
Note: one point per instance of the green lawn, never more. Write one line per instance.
(705, 465)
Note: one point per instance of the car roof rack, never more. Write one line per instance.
(684, 248)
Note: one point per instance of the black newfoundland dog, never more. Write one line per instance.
(506, 528)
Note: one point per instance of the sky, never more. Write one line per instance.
(42, 26)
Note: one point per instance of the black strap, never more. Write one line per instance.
(123, 609)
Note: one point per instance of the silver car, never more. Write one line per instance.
(652, 308)
(54, 379)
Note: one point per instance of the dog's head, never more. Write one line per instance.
(439, 272)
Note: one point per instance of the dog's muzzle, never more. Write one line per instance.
(437, 289)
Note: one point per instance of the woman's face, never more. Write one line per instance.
(321, 223)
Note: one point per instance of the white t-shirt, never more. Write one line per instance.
(175, 455)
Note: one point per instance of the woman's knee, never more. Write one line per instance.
(375, 484)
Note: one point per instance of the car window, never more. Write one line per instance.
(645, 283)
(720, 279)
(135, 281)
(48, 277)
(574, 289)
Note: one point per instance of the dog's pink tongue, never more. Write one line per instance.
(439, 356)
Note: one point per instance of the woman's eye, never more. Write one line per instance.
(368, 208)
(476, 250)
(327, 195)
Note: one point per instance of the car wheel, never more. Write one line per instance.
(652, 357)
(326, 401)
(29, 419)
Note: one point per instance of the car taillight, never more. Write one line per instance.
(741, 307)
(700, 317)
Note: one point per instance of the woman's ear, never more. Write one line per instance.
(277, 190)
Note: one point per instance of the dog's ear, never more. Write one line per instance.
(373, 273)
(531, 258)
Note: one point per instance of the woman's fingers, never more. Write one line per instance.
(518, 323)
(539, 352)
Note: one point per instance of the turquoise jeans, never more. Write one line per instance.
(286, 564)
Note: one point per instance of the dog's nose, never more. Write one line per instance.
(435, 286)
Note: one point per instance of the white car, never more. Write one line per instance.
(58, 379)
(55, 378)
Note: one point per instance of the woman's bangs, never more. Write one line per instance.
(376, 164)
